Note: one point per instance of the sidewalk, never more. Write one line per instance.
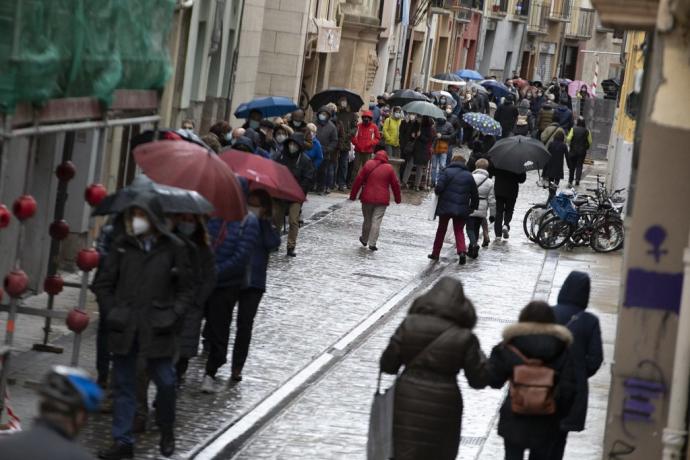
(330, 419)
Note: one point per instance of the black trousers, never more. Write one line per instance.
(558, 446)
(103, 357)
(473, 224)
(517, 452)
(505, 205)
(575, 168)
(220, 305)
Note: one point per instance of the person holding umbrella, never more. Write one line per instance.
(365, 140)
(301, 167)
(327, 133)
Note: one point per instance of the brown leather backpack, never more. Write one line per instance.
(532, 387)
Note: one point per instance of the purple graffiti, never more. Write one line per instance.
(655, 236)
(657, 291)
(639, 393)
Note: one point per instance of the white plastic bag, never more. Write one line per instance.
(431, 215)
(351, 154)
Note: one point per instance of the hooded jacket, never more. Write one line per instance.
(428, 405)
(564, 116)
(391, 131)
(550, 344)
(377, 178)
(300, 165)
(367, 136)
(327, 133)
(485, 191)
(457, 192)
(145, 287)
(348, 120)
(545, 116)
(587, 350)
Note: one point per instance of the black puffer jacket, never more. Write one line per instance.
(549, 343)
(507, 184)
(327, 133)
(428, 404)
(146, 293)
(407, 129)
(506, 114)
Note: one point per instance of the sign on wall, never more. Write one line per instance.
(328, 39)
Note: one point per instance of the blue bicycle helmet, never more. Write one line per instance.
(72, 387)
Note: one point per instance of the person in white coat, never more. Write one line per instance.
(487, 205)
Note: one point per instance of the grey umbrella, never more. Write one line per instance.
(426, 109)
(518, 154)
(405, 96)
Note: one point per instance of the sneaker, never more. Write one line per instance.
(167, 442)
(373, 248)
(473, 252)
(486, 242)
(116, 451)
(291, 252)
(463, 258)
(506, 232)
(361, 240)
(210, 385)
(432, 257)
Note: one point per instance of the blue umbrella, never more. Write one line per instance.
(469, 74)
(499, 89)
(483, 123)
(271, 106)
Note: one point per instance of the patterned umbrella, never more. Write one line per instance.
(483, 123)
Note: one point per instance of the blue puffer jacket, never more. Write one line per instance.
(564, 116)
(457, 192)
(234, 251)
(268, 242)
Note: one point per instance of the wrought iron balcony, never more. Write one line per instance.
(560, 10)
(580, 25)
(537, 24)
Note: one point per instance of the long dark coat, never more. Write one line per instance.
(422, 145)
(554, 168)
(550, 344)
(407, 128)
(428, 403)
(146, 293)
(587, 350)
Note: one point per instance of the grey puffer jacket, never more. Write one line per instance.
(428, 404)
(327, 133)
(485, 190)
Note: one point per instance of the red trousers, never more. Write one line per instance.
(458, 229)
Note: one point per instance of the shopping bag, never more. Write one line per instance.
(431, 214)
(380, 441)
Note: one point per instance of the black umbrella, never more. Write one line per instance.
(405, 96)
(354, 100)
(518, 154)
(172, 199)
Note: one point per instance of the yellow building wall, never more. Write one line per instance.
(625, 126)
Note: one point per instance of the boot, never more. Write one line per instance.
(236, 375)
(463, 258)
(116, 451)
(432, 257)
(167, 443)
(291, 252)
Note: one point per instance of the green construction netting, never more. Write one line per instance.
(67, 48)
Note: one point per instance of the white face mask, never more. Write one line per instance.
(140, 225)
(413, 117)
(293, 148)
(323, 117)
(297, 123)
(280, 138)
(253, 124)
(343, 104)
(397, 115)
(449, 111)
(256, 210)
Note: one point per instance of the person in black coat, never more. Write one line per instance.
(506, 188)
(433, 343)
(457, 199)
(507, 114)
(409, 128)
(553, 171)
(580, 139)
(587, 350)
(535, 336)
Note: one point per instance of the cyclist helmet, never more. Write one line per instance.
(72, 387)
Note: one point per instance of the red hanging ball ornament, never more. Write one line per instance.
(65, 171)
(53, 284)
(95, 193)
(24, 207)
(87, 259)
(16, 283)
(5, 216)
(77, 320)
(59, 230)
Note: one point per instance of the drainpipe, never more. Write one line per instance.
(426, 58)
(676, 432)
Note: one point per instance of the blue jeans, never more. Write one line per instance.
(330, 174)
(438, 162)
(343, 161)
(162, 372)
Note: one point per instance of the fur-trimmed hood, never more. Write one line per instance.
(524, 329)
(446, 299)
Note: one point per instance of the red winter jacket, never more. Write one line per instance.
(366, 138)
(376, 179)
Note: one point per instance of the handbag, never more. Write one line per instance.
(380, 440)
(432, 208)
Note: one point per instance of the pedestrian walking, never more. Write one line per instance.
(327, 134)
(507, 115)
(564, 116)
(365, 140)
(421, 153)
(302, 169)
(545, 116)
(524, 126)
(457, 199)
(548, 134)
(587, 351)
(191, 229)
(147, 290)
(434, 342)
(376, 179)
(580, 140)
(348, 121)
(486, 207)
(531, 414)
(391, 132)
(553, 171)
(67, 396)
(506, 189)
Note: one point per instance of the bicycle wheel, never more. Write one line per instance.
(533, 219)
(607, 235)
(553, 233)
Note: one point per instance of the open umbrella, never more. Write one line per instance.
(425, 109)
(271, 106)
(483, 123)
(497, 88)
(172, 199)
(405, 96)
(333, 95)
(265, 174)
(574, 88)
(449, 97)
(448, 79)
(189, 166)
(520, 83)
(469, 74)
(518, 154)
(476, 86)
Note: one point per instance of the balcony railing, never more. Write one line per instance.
(580, 25)
(463, 14)
(560, 10)
(522, 9)
(537, 23)
(497, 8)
(458, 5)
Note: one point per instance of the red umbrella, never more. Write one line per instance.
(192, 167)
(265, 174)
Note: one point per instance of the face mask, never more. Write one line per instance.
(413, 117)
(189, 130)
(186, 228)
(397, 115)
(297, 123)
(366, 121)
(256, 210)
(140, 225)
(343, 104)
(280, 138)
(323, 117)
(228, 136)
(443, 100)
(449, 111)
(293, 148)
(253, 124)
